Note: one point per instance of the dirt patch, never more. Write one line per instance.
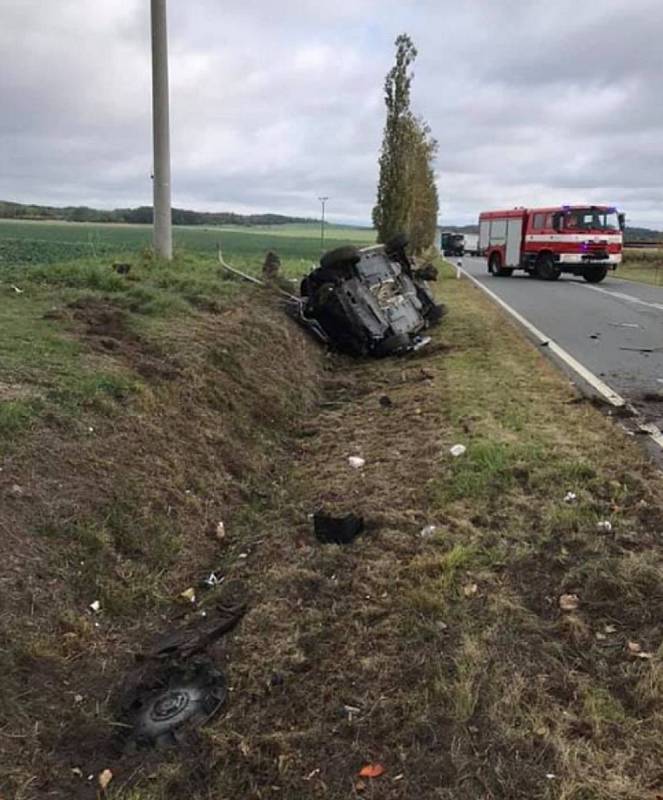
(11, 392)
(107, 329)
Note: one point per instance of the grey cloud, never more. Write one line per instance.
(272, 105)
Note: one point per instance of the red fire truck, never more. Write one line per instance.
(581, 240)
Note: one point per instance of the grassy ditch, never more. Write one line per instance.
(644, 266)
(445, 658)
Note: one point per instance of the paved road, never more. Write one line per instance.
(607, 327)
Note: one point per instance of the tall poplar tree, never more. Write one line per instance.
(406, 194)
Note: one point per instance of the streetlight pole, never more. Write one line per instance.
(163, 237)
(323, 200)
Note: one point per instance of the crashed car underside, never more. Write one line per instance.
(369, 301)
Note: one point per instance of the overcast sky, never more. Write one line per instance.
(275, 103)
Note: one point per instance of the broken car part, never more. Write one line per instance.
(337, 530)
(174, 699)
(197, 635)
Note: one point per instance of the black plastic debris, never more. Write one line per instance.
(337, 530)
(170, 701)
(386, 401)
(201, 632)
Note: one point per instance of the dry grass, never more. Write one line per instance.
(469, 680)
(643, 266)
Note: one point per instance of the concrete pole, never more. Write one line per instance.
(163, 237)
(323, 200)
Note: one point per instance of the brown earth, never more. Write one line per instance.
(122, 510)
(446, 659)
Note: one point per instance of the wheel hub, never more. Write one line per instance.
(169, 706)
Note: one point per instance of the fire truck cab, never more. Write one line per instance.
(545, 242)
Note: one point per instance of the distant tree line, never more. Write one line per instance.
(140, 215)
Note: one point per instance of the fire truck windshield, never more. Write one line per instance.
(591, 219)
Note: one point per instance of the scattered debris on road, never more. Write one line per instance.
(643, 349)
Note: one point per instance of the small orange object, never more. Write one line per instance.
(371, 771)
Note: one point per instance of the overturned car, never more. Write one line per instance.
(369, 301)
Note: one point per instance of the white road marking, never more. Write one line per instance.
(622, 296)
(592, 380)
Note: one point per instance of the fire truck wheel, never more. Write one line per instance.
(496, 268)
(546, 269)
(595, 274)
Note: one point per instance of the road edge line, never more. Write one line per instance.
(599, 386)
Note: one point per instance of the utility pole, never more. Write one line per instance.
(323, 200)
(163, 237)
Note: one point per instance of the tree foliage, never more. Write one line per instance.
(406, 196)
(141, 215)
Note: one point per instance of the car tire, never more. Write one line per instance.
(397, 243)
(595, 274)
(340, 257)
(546, 269)
(397, 343)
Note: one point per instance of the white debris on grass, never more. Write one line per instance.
(457, 450)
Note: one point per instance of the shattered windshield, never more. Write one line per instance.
(592, 219)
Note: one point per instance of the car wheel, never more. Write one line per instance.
(397, 243)
(546, 269)
(595, 274)
(398, 343)
(340, 257)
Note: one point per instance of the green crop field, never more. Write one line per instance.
(27, 242)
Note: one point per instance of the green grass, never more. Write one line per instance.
(47, 367)
(23, 242)
(48, 265)
(643, 266)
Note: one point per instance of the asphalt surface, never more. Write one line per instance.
(614, 328)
